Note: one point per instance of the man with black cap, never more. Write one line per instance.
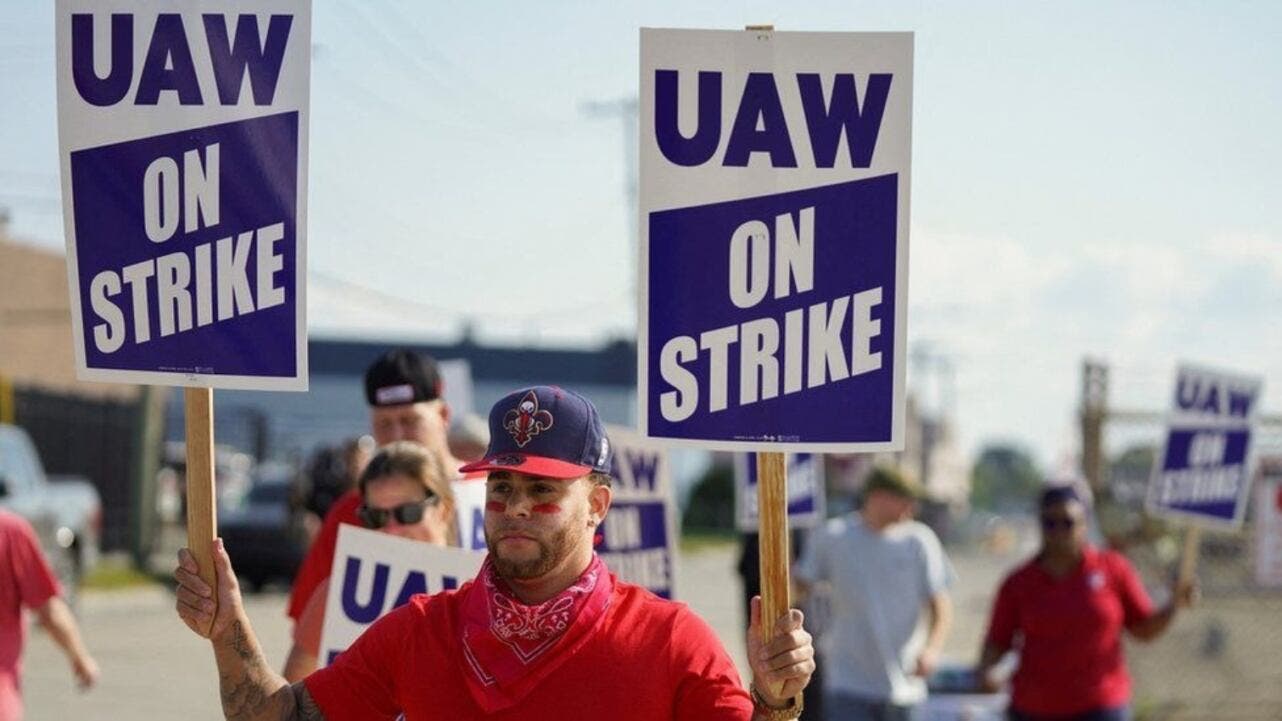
(404, 393)
(885, 569)
(544, 631)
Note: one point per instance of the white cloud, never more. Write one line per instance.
(1018, 320)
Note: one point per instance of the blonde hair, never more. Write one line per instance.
(407, 458)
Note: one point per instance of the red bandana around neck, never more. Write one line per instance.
(510, 646)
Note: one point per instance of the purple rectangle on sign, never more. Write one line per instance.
(634, 544)
(205, 306)
(690, 300)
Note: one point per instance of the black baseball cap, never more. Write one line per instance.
(401, 376)
(545, 431)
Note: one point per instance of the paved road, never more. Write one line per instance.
(154, 668)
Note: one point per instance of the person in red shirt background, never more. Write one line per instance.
(26, 581)
(1065, 610)
(403, 390)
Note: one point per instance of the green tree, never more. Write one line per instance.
(711, 505)
(1004, 478)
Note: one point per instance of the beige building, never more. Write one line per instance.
(35, 323)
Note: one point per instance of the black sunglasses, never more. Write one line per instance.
(405, 514)
(1051, 523)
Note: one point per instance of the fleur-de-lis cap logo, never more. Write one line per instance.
(526, 420)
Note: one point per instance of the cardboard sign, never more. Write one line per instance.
(182, 128)
(469, 502)
(1268, 524)
(1204, 470)
(374, 573)
(774, 238)
(638, 535)
(805, 490)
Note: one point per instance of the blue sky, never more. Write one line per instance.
(1089, 179)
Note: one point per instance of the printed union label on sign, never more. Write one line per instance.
(774, 223)
(183, 134)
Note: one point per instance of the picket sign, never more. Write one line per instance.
(772, 263)
(182, 130)
(1202, 476)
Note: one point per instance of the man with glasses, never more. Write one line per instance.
(885, 570)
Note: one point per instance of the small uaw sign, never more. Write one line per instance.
(774, 238)
(1203, 472)
(805, 490)
(374, 573)
(182, 128)
(638, 535)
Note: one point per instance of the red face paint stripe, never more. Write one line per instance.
(496, 506)
(547, 508)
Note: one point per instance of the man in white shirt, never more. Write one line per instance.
(885, 569)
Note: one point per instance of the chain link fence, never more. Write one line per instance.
(1221, 659)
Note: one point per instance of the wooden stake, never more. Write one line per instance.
(202, 519)
(772, 512)
(1192, 545)
(772, 516)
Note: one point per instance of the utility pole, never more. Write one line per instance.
(1093, 411)
(625, 111)
(935, 388)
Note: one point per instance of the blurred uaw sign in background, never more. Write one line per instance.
(774, 238)
(183, 134)
(1203, 473)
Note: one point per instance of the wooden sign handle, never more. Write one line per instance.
(202, 519)
(1188, 561)
(772, 515)
(772, 512)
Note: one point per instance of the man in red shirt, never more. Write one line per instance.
(1065, 611)
(403, 389)
(544, 631)
(27, 581)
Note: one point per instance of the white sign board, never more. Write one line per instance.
(1203, 473)
(183, 129)
(374, 573)
(1268, 524)
(773, 268)
(638, 535)
(806, 507)
(469, 500)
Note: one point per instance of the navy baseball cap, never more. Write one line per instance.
(545, 431)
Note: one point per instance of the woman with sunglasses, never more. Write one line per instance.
(1064, 611)
(405, 492)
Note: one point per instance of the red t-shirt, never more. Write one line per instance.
(1071, 657)
(320, 557)
(25, 581)
(650, 660)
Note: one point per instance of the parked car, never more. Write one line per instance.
(66, 511)
(263, 530)
(233, 472)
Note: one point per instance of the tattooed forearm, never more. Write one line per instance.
(250, 690)
(242, 700)
(307, 708)
(241, 644)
